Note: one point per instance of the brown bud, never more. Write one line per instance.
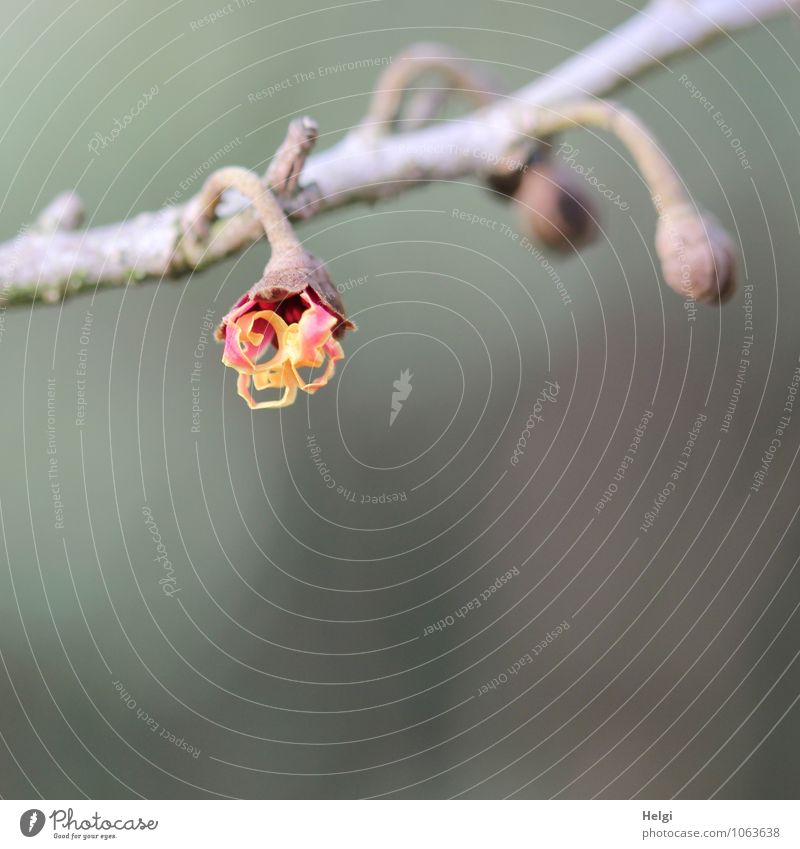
(697, 256)
(505, 180)
(554, 207)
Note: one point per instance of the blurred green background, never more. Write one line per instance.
(296, 651)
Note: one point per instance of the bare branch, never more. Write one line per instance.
(37, 266)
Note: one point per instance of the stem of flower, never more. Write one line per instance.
(279, 231)
(394, 83)
(666, 188)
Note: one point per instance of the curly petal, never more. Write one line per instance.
(302, 337)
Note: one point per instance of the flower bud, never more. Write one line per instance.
(697, 255)
(504, 182)
(554, 208)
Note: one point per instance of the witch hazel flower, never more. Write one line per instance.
(283, 333)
